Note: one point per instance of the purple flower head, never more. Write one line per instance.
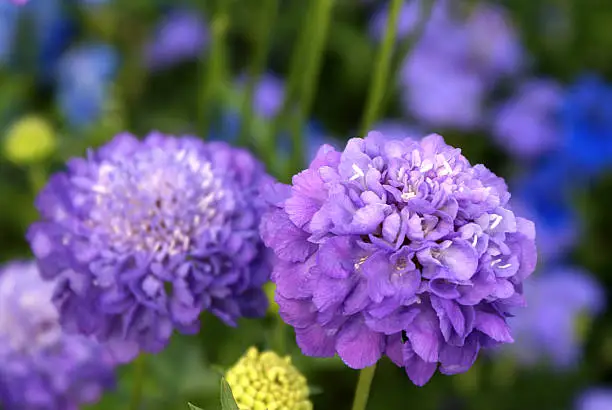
(547, 328)
(43, 367)
(595, 399)
(143, 236)
(398, 247)
(180, 36)
(527, 124)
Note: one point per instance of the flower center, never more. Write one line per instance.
(157, 201)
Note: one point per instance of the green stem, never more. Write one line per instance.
(363, 387)
(266, 19)
(137, 382)
(37, 176)
(381, 70)
(213, 67)
(319, 23)
(279, 335)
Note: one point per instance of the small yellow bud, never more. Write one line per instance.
(272, 383)
(269, 288)
(28, 140)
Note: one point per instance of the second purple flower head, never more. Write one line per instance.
(142, 236)
(398, 247)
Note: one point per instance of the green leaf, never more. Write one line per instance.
(227, 398)
(192, 407)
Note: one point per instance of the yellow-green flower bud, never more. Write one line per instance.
(266, 381)
(28, 140)
(269, 288)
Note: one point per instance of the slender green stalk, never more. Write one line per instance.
(268, 13)
(213, 66)
(37, 176)
(363, 387)
(279, 335)
(138, 382)
(381, 69)
(313, 53)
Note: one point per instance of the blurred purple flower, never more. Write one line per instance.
(452, 67)
(268, 96)
(410, 16)
(548, 328)
(42, 367)
(84, 77)
(143, 236)
(598, 398)
(527, 125)
(397, 247)
(440, 93)
(9, 17)
(493, 43)
(396, 129)
(182, 35)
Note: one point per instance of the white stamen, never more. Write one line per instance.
(495, 262)
(406, 196)
(358, 173)
(474, 241)
(507, 265)
(496, 220)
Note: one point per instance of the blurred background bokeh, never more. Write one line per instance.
(523, 86)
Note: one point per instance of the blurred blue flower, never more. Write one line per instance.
(180, 36)
(54, 30)
(548, 329)
(597, 398)
(527, 124)
(587, 125)
(84, 77)
(542, 195)
(9, 17)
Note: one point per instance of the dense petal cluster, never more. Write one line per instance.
(401, 248)
(266, 381)
(143, 236)
(44, 368)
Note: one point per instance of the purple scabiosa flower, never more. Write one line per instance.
(143, 236)
(597, 398)
(397, 129)
(527, 125)
(43, 367)
(398, 247)
(548, 329)
(180, 36)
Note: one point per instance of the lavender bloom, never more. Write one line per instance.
(547, 329)
(587, 125)
(527, 124)
(181, 36)
(84, 78)
(401, 248)
(42, 367)
(595, 399)
(143, 236)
